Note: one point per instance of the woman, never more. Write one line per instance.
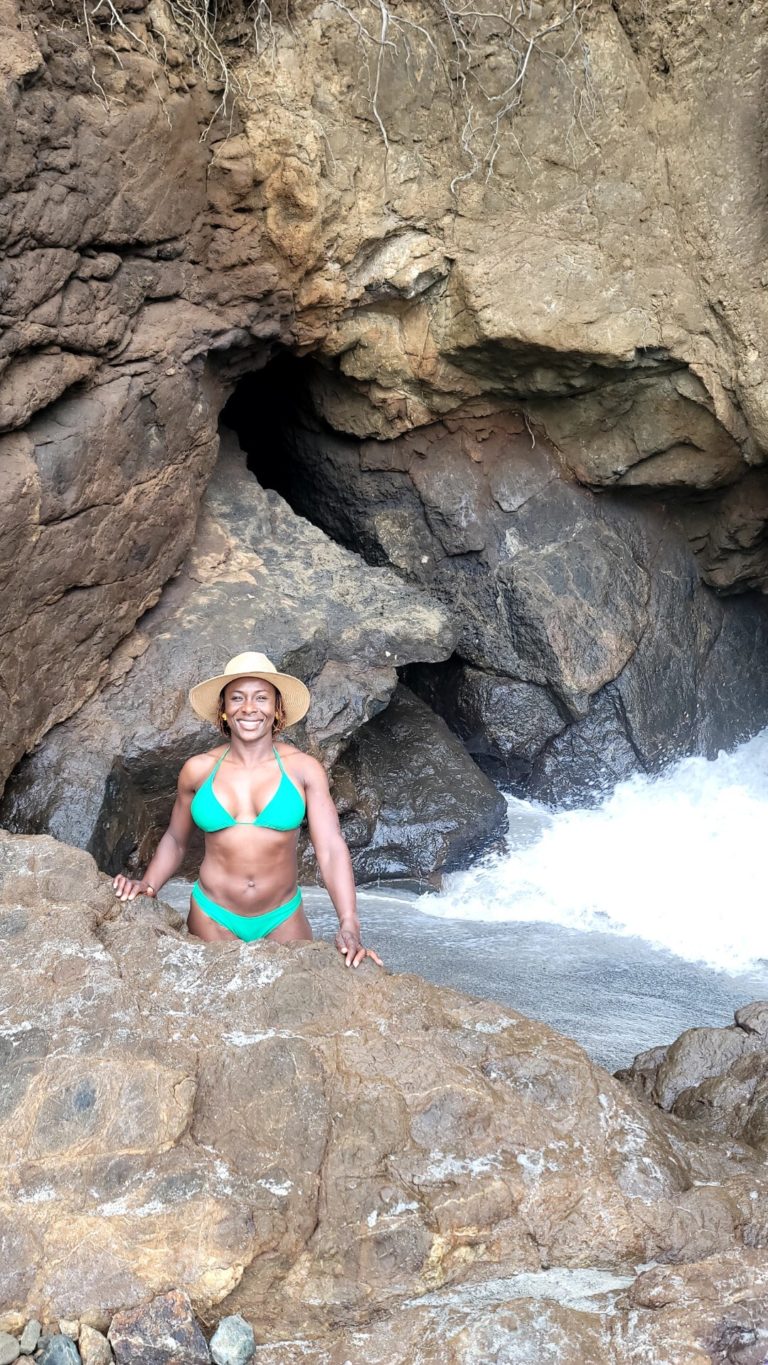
(247, 884)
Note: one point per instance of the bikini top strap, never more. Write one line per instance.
(217, 765)
(279, 763)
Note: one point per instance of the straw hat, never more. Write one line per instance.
(204, 698)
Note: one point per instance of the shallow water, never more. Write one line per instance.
(614, 995)
(619, 926)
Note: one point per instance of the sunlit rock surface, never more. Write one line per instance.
(310, 1146)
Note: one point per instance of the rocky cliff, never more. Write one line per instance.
(525, 264)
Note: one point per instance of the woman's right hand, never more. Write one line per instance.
(127, 890)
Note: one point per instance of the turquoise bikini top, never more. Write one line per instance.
(284, 810)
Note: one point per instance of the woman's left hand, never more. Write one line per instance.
(350, 947)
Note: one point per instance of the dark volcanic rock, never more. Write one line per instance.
(588, 647)
(588, 758)
(258, 577)
(504, 724)
(419, 803)
(162, 1332)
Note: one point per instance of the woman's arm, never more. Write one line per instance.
(334, 861)
(169, 854)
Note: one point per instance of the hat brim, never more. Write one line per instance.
(204, 698)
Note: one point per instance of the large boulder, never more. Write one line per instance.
(258, 577)
(313, 1147)
(717, 1076)
(588, 646)
(413, 804)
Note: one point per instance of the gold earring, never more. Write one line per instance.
(223, 715)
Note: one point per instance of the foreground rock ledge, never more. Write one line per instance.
(312, 1147)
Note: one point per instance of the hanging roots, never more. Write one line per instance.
(466, 46)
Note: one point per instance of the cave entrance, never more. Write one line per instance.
(291, 449)
(263, 410)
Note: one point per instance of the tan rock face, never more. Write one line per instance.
(310, 1146)
(605, 278)
(716, 1076)
(107, 397)
(690, 1315)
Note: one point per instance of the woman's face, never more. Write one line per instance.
(250, 707)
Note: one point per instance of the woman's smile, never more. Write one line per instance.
(259, 897)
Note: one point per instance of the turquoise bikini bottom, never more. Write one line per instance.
(246, 927)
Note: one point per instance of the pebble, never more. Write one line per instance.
(70, 1327)
(9, 1348)
(164, 1331)
(233, 1342)
(59, 1350)
(30, 1337)
(94, 1347)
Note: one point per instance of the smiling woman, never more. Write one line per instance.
(247, 883)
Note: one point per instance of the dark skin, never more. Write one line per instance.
(250, 869)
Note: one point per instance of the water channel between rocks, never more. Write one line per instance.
(619, 926)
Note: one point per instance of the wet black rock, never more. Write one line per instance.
(588, 648)
(413, 802)
(504, 724)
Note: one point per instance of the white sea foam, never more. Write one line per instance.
(675, 859)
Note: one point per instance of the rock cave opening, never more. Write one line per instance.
(257, 411)
(321, 474)
(263, 410)
(588, 646)
(288, 445)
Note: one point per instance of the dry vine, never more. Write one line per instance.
(462, 39)
(465, 43)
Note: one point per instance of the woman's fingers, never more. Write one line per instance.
(347, 945)
(125, 889)
(353, 951)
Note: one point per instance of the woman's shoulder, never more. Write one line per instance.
(197, 768)
(303, 764)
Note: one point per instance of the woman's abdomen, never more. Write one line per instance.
(249, 869)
